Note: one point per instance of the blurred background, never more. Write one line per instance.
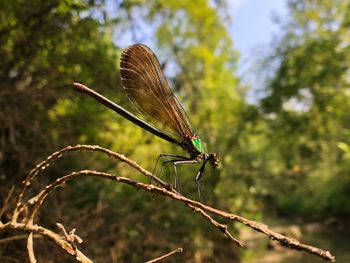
(266, 85)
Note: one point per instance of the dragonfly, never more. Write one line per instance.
(161, 112)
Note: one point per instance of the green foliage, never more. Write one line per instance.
(289, 153)
(309, 97)
(45, 46)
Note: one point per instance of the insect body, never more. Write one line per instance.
(162, 113)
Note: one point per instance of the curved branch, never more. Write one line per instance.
(286, 241)
(55, 156)
(59, 154)
(18, 237)
(178, 250)
(79, 256)
(166, 191)
(30, 249)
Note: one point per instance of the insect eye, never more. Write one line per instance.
(213, 159)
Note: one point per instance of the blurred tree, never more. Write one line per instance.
(45, 46)
(291, 152)
(307, 106)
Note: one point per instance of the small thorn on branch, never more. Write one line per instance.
(71, 237)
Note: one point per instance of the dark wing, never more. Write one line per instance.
(150, 92)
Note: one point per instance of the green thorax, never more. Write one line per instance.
(197, 143)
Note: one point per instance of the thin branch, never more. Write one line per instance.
(61, 242)
(14, 238)
(9, 259)
(42, 166)
(178, 250)
(37, 200)
(286, 241)
(6, 202)
(30, 249)
(223, 228)
(289, 242)
(168, 191)
(57, 155)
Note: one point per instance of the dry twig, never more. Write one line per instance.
(120, 157)
(178, 250)
(66, 242)
(18, 237)
(50, 235)
(6, 202)
(30, 249)
(286, 241)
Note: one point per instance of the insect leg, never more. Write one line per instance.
(175, 172)
(198, 178)
(164, 155)
(165, 162)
